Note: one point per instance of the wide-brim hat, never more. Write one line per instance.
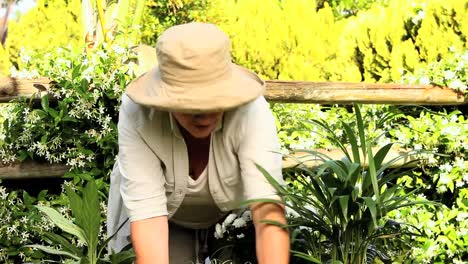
(195, 73)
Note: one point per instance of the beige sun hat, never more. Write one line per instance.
(195, 73)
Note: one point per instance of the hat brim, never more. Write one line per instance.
(241, 87)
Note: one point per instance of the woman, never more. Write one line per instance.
(191, 132)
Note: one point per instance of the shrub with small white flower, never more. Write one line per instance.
(20, 224)
(76, 125)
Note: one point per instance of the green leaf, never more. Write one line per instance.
(354, 171)
(45, 103)
(63, 223)
(337, 169)
(92, 212)
(353, 141)
(373, 174)
(370, 203)
(305, 256)
(28, 200)
(103, 245)
(127, 256)
(343, 201)
(361, 130)
(23, 155)
(52, 112)
(53, 251)
(381, 154)
(67, 246)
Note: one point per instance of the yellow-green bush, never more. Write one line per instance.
(286, 39)
(4, 62)
(289, 39)
(444, 27)
(51, 24)
(161, 14)
(404, 36)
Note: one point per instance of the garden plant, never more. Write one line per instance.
(340, 214)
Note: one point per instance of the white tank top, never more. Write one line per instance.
(198, 209)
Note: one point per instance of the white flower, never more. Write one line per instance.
(424, 80)
(453, 131)
(441, 189)
(22, 255)
(3, 193)
(240, 236)
(247, 215)
(239, 222)
(445, 178)
(457, 84)
(229, 219)
(448, 75)
(118, 50)
(446, 167)
(24, 220)
(219, 231)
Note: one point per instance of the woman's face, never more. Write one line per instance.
(198, 125)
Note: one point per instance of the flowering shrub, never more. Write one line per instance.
(444, 177)
(451, 72)
(77, 125)
(21, 223)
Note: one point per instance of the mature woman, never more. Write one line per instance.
(191, 132)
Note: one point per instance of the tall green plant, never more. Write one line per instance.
(102, 20)
(85, 228)
(340, 209)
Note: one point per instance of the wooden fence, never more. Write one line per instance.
(277, 91)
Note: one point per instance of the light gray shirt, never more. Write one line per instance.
(151, 173)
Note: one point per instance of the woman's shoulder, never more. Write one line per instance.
(257, 108)
(241, 119)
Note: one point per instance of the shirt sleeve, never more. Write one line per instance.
(142, 187)
(259, 144)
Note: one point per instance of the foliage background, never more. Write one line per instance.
(372, 41)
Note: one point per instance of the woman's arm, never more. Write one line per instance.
(272, 242)
(150, 238)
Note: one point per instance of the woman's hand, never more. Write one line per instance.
(272, 242)
(150, 238)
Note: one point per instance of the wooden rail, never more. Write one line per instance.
(32, 169)
(297, 92)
